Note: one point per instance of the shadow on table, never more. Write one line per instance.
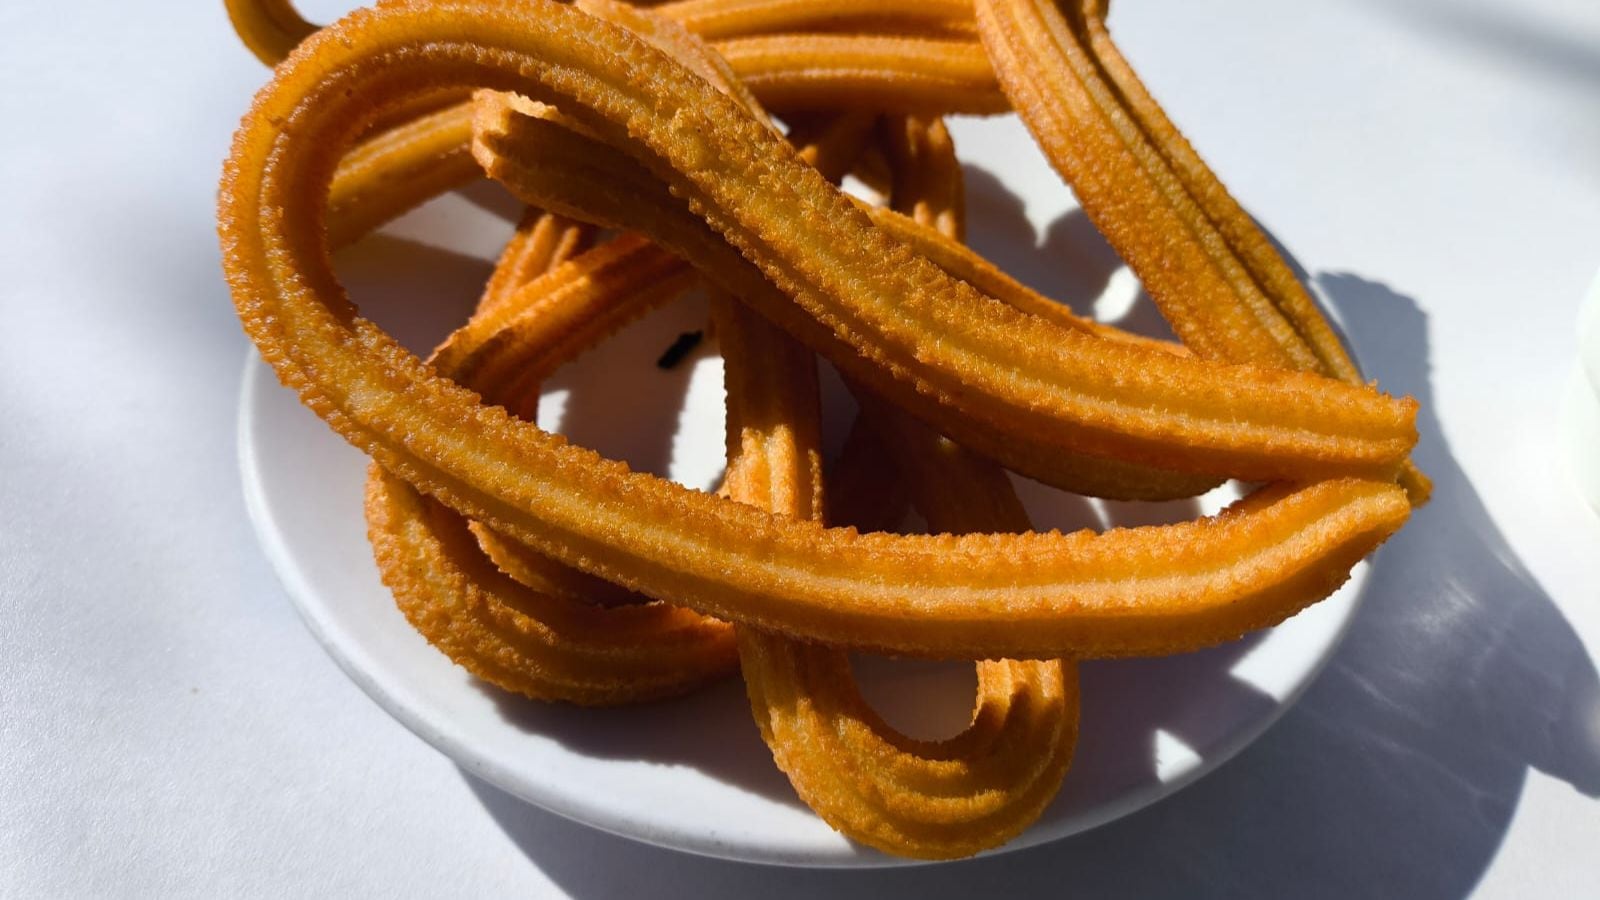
(1518, 34)
(1396, 775)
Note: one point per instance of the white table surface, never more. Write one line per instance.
(169, 728)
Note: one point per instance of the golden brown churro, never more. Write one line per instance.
(548, 570)
(270, 28)
(718, 19)
(827, 71)
(419, 150)
(1126, 592)
(1217, 279)
(838, 308)
(553, 167)
(509, 615)
(934, 800)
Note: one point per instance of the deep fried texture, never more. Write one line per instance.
(963, 263)
(544, 304)
(928, 799)
(552, 166)
(1136, 591)
(718, 19)
(398, 169)
(927, 184)
(511, 616)
(1217, 279)
(548, 634)
(270, 28)
(1267, 267)
(542, 241)
(534, 311)
(932, 800)
(1143, 389)
(413, 155)
(420, 150)
(536, 644)
(554, 317)
(410, 155)
(866, 71)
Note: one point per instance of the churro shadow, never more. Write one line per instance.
(1395, 775)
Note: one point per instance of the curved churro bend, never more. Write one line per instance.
(866, 71)
(269, 28)
(537, 644)
(510, 616)
(548, 632)
(398, 169)
(1244, 237)
(718, 19)
(928, 799)
(551, 166)
(1141, 590)
(1217, 279)
(934, 800)
(419, 151)
(547, 639)
(1129, 384)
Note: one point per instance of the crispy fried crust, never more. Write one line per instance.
(1135, 591)
(1218, 280)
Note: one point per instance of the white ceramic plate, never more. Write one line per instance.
(692, 774)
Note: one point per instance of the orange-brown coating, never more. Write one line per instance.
(866, 71)
(509, 615)
(929, 799)
(420, 149)
(553, 167)
(541, 242)
(1239, 230)
(269, 28)
(1224, 288)
(398, 169)
(1143, 590)
(548, 634)
(536, 644)
(522, 564)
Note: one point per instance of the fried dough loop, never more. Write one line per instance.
(550, 571)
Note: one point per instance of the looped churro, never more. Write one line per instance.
(980, 595)
(548, 570)
(937, 799)
(717, 19)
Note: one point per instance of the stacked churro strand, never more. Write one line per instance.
(547, 570)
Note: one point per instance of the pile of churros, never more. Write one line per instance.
(701, 143)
